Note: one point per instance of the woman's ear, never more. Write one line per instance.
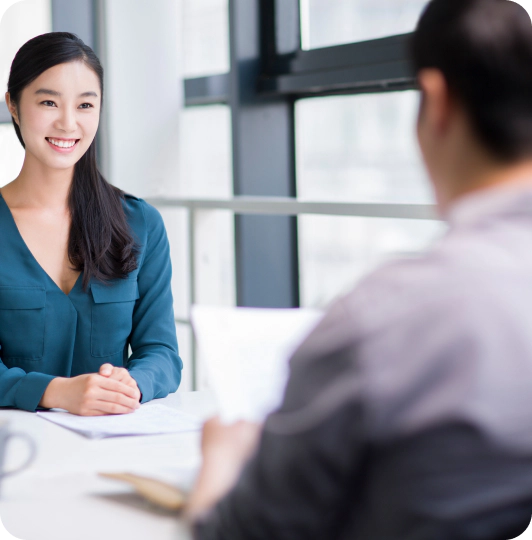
(12, 108)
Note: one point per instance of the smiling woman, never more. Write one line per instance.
(58, 143)
(64, 121)
(89, 272)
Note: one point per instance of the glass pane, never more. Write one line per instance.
(206, 37)
(335, 252)
(21, 22)
(205, 153)
(325, 22)
(176, 223)
(361, 149)
(215, 257)
(215, 267)
(11, 154)
(184, 340)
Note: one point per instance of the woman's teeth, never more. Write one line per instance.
(62, 144)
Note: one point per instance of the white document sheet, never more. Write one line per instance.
(149, 419)
(245, 352)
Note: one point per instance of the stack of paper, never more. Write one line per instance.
(149, 419)
(246, 353)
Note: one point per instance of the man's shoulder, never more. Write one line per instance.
(406, 290)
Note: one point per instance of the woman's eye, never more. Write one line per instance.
(48, 103)
(86, 105)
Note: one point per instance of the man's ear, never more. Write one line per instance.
(12, 108)
(436, 99)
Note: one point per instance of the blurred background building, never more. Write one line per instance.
(277, 138)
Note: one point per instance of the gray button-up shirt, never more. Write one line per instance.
(408, 414)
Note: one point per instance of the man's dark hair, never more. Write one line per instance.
(484, 50)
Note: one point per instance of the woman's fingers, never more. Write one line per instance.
(122, 375)
(103, 408)
(118, 398)
(106, 370)
(108, 407)
(94, 394)
(118, 386)
(119, 374)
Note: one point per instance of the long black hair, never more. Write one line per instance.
(484, 50)
(100, 243)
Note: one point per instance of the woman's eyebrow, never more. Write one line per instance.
(89, 94)
(49, 92)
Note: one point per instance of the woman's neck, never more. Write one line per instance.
(39, 186)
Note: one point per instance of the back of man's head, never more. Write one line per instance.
(484, 50)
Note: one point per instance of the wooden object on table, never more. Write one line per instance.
(157, 492)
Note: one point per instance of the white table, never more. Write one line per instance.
(60, 496)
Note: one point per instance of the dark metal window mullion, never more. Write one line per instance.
(263, 163)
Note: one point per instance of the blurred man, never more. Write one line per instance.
(408, 413)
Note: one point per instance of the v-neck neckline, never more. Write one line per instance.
(14, 223)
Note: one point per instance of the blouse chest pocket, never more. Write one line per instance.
(22, 322)
(112, 316)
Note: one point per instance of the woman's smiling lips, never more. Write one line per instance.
(63, 146)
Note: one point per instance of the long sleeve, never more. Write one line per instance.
(294, 487)
(45, 333)
(155, 363)
(20, 389)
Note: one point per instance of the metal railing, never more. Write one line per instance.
(281, 207)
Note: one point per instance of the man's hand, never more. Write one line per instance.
(120, 374)
(225, 450)
(91, 395)
(237, 441)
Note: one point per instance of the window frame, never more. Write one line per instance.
(269, 68)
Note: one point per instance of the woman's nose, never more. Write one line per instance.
(67, 120)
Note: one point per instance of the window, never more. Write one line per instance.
(206, 37)
(325, 23)
(203, 239)
(335, 252)
(205, 172)
(360, 148)
(205, 168)
(339, 133)
(20, 22)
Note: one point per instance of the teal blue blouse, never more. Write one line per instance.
(45, 333)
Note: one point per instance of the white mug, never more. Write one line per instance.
(5, 436)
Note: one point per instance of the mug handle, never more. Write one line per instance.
(31, 457)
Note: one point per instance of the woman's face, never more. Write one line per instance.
(58, 114)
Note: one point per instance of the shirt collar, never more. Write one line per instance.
(493, 201)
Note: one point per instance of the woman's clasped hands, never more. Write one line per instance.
(110, 391)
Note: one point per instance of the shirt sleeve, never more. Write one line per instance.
(155, 363)
(296, 484)
(20, 389)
